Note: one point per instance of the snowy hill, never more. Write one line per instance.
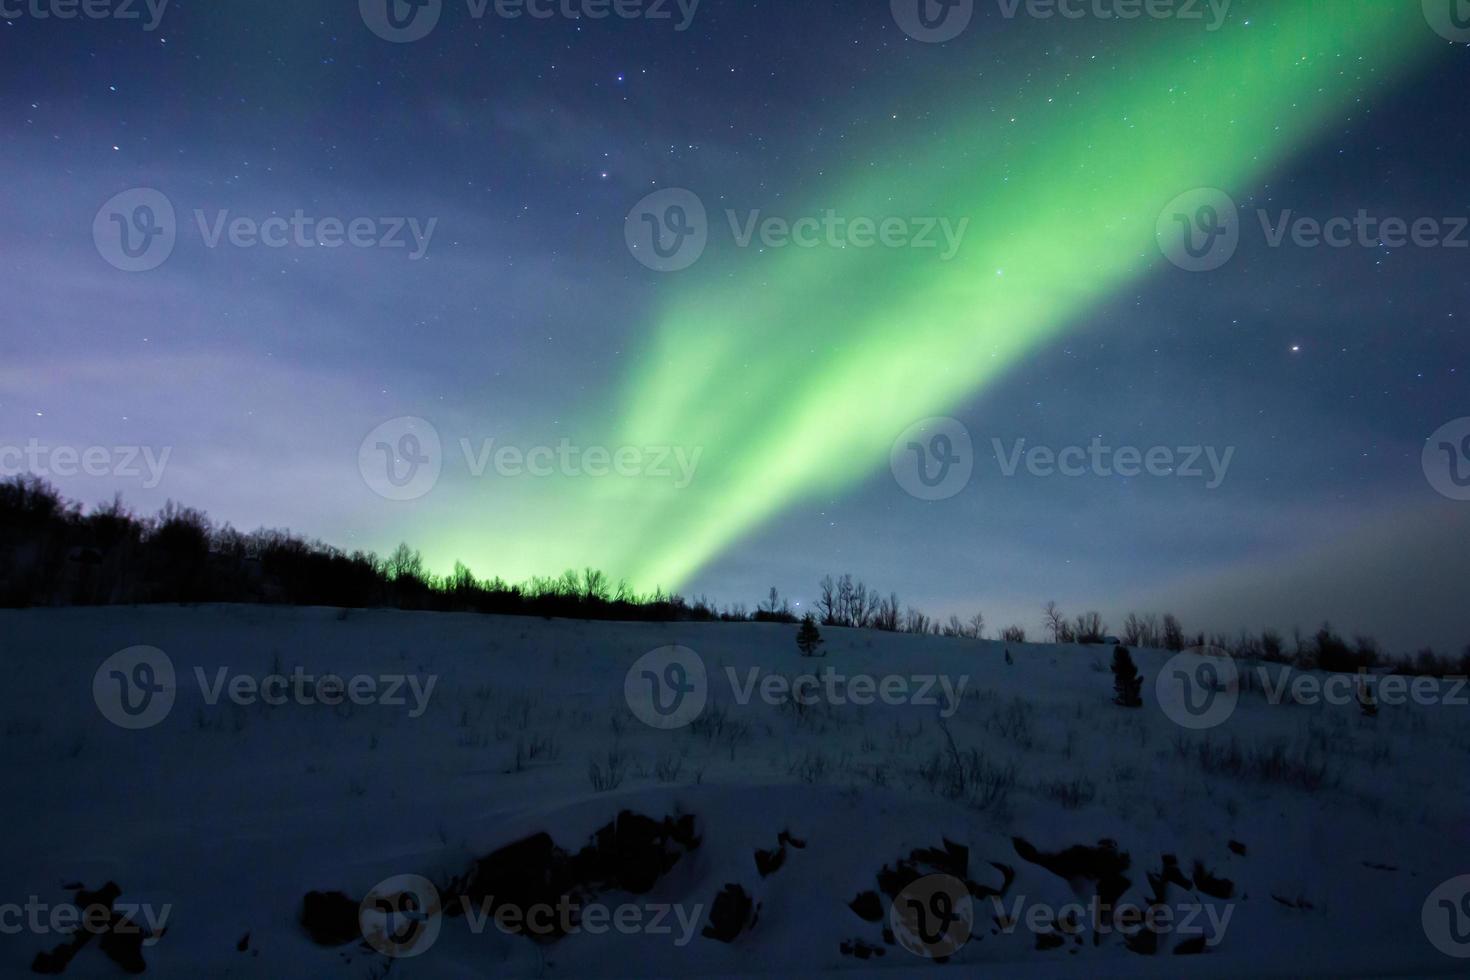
(781, 839)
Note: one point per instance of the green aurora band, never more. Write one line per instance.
(796, 373)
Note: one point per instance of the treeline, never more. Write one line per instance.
(52, 553)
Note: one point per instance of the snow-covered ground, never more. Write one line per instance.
(217, 819)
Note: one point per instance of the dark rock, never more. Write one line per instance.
(629, 854)
(1103, 864)
(1222, 888)
(1237, 847)
(330, 918)
(120, 940)
(732, 912)
(1191, 947)
(868, 907)
(123, 944)
(860, 949)
(1145, 942)
(769, 862)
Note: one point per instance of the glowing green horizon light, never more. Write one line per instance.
(795, 374)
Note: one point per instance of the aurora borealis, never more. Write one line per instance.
(788, 372)
(1062, 217)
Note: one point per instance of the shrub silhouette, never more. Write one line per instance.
(808, 638)
(1127, 681)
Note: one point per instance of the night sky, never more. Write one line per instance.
(520, 147)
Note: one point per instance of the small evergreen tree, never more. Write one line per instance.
(1009, 659)
(1127, 681)
(808, 638)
